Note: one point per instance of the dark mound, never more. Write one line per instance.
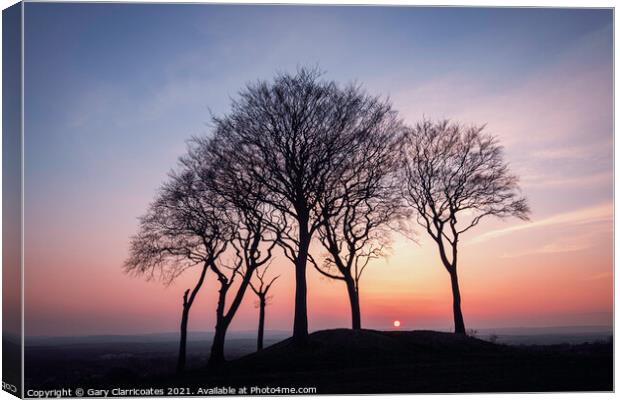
(366, 361)
(349, 348)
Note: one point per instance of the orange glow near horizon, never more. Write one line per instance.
(505, 281)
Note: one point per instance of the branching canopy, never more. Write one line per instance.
(363, 203)
(294, 138)
(185, 225)
(454, 177)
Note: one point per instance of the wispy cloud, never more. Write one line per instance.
(576, 152)
(541, 180)
(600, 213)
(552, 248)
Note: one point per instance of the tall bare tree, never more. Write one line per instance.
(293, 136)
(253, 240)
(261, 289)
(454, 177)
(184, 227)
(363, 203)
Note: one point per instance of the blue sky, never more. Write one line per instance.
(117, 79)
(113, 91)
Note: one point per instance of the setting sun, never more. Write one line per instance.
(396, 324)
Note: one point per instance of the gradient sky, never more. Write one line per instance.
(113, 92)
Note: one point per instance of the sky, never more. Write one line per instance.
(113, 92)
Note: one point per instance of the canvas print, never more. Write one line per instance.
(221, 199)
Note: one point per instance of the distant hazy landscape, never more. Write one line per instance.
(516, 336)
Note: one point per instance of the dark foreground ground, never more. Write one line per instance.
(343, 361)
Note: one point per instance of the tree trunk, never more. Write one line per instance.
(188, 300)
(224, 320)
(300, 324)
(459, 324)
(354, 300)
(217, 347)
(261, 324)
(183, 343)
(234, 305)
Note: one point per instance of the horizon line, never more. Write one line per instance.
(448, 329)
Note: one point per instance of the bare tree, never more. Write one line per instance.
(253, 241)
(249, 257)
(363, 204)
(184, 227)
(454, 177)
(293, 136)
(261, 289)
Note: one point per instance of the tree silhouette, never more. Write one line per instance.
(182, 228)
(453, 172)
(249, 257)
(293, 136)
(261, 289)
(253, 240)
(363, 203)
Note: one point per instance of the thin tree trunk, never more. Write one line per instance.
(188, 300)
(354, 300)
(234, 305)
(459, 324)
(261, 324)
(300, 324)
(183, 343)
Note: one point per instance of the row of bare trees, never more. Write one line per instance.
(302, 159)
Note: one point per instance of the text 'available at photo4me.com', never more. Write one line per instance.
(171, 391)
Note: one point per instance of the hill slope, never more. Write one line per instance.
(366, 361)
(349, 348)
